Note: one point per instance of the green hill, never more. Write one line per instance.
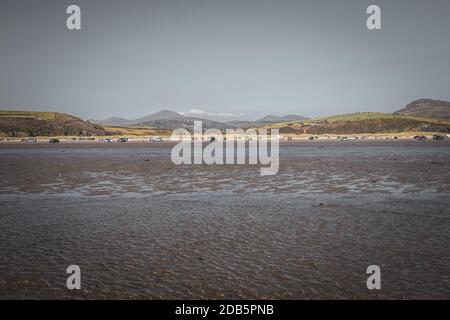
(365, 122)
(30, 123)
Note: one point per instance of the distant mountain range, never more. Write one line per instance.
(167, 119)
(275, 119)
(160, 115)
(424, 115)
(163, 119)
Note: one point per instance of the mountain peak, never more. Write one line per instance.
(163, 114)
(428, 108)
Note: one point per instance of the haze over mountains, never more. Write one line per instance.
(275, 119)
(168, 119)
(172, 120)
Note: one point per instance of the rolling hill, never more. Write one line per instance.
(427, 108)
(163, 119)
(424, 115)
(28, 123)
(275, 119)
(113, 121)
(160, 115)
(167, 119)
(365, 122)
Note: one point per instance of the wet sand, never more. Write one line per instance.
(141, 227)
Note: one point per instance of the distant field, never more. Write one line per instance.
(137, 131)
(35, 124)
(380, 115)
(360, 116)
(35, 115)
(363, 123)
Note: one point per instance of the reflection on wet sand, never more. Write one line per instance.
(141, 227)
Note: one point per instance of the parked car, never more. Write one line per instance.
(123, 140)
(439, 138)
(157, 139)
(420, 138)
(53, 141)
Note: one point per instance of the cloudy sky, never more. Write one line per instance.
(235, 57)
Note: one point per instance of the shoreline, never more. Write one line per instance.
(167, 139)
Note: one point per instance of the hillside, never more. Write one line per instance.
(28, 123)
(275, 119)
(137, 131)
(113, 121)
(184, 122)
(160, 115)
(364, 122)
(427, 108)
(163, 119)
(167, 119)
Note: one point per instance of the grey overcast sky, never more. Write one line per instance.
(248, 57)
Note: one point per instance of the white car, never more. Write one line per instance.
(157, 139)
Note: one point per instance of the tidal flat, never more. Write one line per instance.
(141, 227)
